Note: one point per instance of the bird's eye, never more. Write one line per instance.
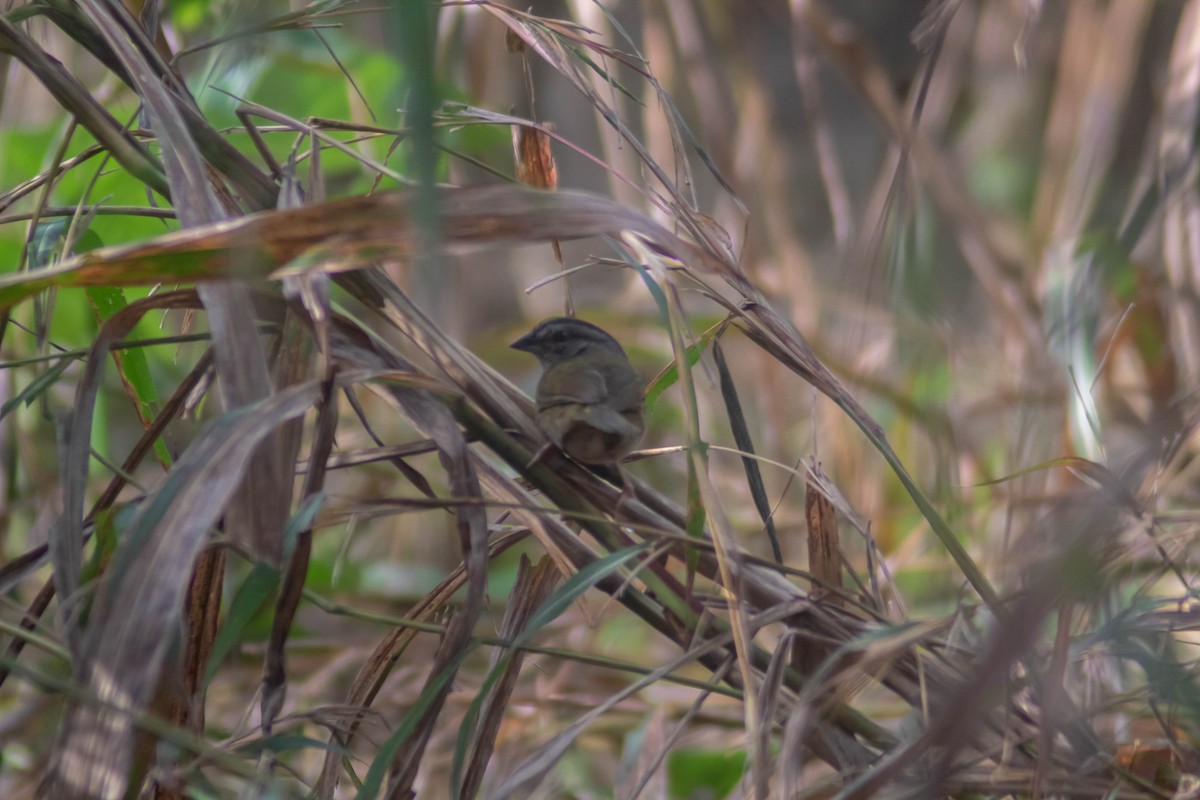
(559, 335)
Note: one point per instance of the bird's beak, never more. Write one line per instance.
(525, 343)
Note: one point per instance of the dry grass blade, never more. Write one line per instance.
(18, 568)
(134, 615)
(352, 234)
(824, 554)
(533, 587)
(781, 340)
(291, 363)
(202, 616)
(259, 508)
(1083, 530)
(351, 347)
(992, 247)
(274, 677)
(66, 543)
(1082, 133)
(554, 44)
(727, 553)
(105, 37)
(1181, 106)
(194, 197)
(384, 657)
(83, 107)
(805, 65)
(1177, 160)
(533, 770)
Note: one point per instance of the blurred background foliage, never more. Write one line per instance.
(982, 216)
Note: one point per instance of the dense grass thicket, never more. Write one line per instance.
(913, 287)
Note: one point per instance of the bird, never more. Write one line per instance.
(589, 397)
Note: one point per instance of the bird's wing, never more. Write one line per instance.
(605, 419)
(588, 387)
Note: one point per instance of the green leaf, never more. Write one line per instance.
(131, 364)
(741, 435)
(252, 597)
(45, 244)
(109, 524)
(36, 387)
(694, 774)
(48, 239)
(670, 375)
(302, 521)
